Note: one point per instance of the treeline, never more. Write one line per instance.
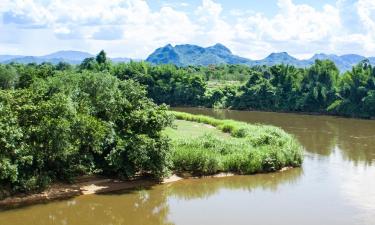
(317, 89)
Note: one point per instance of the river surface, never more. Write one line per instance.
(335, 186)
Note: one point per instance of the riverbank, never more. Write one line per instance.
(88, 185)
(201, 146)
(304, 113)
(82, 186)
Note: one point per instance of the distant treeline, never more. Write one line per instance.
(316, 89)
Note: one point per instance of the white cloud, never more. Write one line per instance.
(294, 25)
(132, 28)
(136, 25)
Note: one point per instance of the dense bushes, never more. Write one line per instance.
(249, 148)
(79, 123)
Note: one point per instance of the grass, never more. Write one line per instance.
(204, 145)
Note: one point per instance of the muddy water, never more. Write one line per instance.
(335, 186)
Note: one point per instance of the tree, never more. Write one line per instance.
(89, 64)
(257, 93)
(101, 58)
(356, 92)
(8, 77)
(318, 86)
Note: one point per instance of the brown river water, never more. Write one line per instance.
(335, 186)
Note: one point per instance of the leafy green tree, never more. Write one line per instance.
(8, 77)
(101, 58)
(257, 93)
(80, 123)
(356, 94)
(63, 66)
(89, 64)
(319, 86)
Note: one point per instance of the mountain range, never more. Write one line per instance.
(72, 57)
(184, 55)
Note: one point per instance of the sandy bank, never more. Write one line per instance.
(92, 185)
(83, 186)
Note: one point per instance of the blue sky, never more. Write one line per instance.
(134, 28)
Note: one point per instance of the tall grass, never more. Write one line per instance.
(250, 149)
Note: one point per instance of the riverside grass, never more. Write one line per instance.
(229, 146)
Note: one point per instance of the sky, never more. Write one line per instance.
(135, 28)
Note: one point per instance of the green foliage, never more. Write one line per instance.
(79, 123)
(166, 83)
(59, 121)
(99, 63)
(249, 148)
(8, 77)
(356, 93)
(318, 87)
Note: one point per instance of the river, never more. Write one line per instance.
(335, 186)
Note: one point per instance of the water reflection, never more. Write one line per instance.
(318, 134)
(204, 188)
(149, 206)
(136, 207)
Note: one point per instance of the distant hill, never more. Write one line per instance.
(279, 58)
(184, 55)
(72, 57)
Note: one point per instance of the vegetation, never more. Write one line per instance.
(317, 89)
(60, 124)
(246, 149)
(59, 121)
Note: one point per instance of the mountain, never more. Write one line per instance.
(72, 57)
(8, 57)
(279, 58)
(123, 59)
(343, 62)
(184, 55)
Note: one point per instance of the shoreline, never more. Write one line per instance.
(322, 114)
(96, 185)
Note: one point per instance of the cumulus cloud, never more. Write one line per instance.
(132, 28)
(293, 28)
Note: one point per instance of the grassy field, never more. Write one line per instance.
(203, 145)
(189, 129)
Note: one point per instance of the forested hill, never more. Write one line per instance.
(193, 55)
